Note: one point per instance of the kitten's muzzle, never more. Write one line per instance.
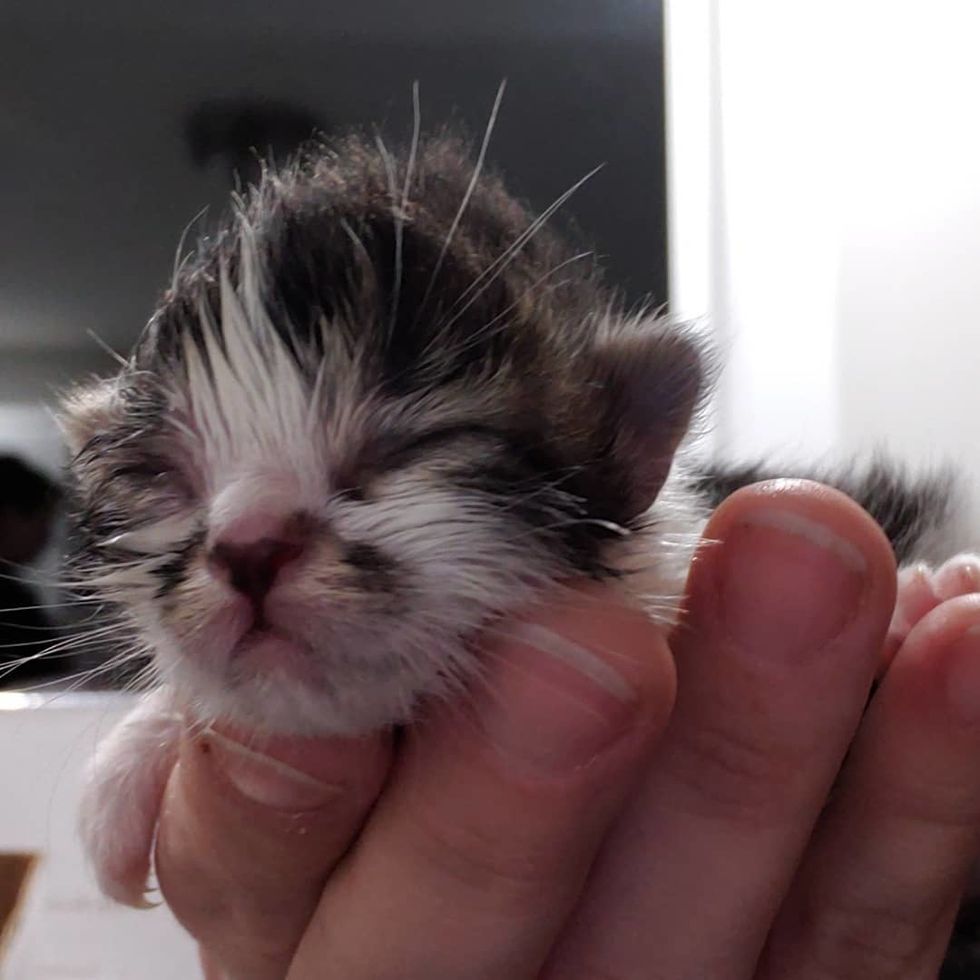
(252, 564)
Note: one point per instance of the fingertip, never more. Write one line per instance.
(929, 643)
(794, 567)
(824, 506)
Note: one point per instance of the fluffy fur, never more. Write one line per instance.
(396, 357)
(384, 406)
(927, 516)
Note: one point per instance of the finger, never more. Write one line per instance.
(958, 576)
(481, 843)
(916, 597)
(249, 832)
(922, 588)
(882, 879)
(209, 969)
(786, 615)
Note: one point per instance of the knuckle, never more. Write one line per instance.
(498, 867)
(949, 805)
(852, 939)
(736, 775)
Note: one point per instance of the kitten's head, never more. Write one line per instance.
(365, 420)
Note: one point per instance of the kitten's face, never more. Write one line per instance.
(332, 459)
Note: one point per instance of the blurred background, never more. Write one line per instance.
(825, 217)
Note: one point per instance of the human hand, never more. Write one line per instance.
(501, 846)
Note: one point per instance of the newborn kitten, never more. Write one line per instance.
(382, 408)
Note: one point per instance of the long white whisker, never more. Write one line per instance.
(179, 258)
(485, 331)
(477, 170)
(498, 265)
(402, 207)
(75, 681)
(115, 355)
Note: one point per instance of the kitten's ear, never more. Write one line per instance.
(655, 377)
(87, 410)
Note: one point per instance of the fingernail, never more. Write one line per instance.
(958, 576)
(264, 779)
(790, 584)
(963, 676)
(551, 704)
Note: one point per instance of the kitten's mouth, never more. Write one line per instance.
(264, 650)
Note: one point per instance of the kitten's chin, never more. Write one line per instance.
(268, 652)
(281, 685)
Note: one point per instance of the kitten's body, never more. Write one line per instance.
(383, 408)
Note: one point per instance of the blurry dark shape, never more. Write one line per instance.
(28, 508)
(239, 133)
(963, 958)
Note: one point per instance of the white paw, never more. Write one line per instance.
(121, 798)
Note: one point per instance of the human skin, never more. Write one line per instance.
(669, 823)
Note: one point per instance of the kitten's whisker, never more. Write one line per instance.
(496, 268)
(180, 260)
(471, 187)
(115, 355)
(483, 333)
(40, 605)
(32, 628)
(389, 166)
(402, 208)
(75, 681)
(66, 640)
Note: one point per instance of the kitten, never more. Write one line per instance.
(377, 411)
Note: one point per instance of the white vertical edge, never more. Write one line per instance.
(753, 148)
(693, 180)
(779, 138)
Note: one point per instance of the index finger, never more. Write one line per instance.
(482, 841)
(787, 611)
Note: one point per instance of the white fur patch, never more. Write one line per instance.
(124, 786)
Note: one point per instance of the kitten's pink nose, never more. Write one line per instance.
(251, 564)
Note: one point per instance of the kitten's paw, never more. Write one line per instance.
(921, 588)
(121, 798)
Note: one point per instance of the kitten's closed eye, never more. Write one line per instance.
(391, 453)
(422, 442)
(156, 475)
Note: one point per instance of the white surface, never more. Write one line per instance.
(909, 315)
(835, 143)
(71, 933)
(753, 205)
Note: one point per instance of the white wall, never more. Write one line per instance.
(762, 248)
(778, 227)
(843, 177)
(909, 303)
